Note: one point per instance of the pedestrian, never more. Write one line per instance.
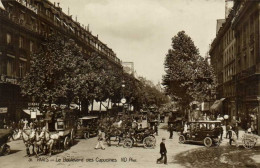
(228, 128)
(170, 129)
(163, 152)
(221, 128)
(100, 140)
(156, 129)
(233, 137)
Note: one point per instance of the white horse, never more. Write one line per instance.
(28, 135)
(39, 142)
(50, 140)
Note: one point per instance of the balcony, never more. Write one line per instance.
(28, 6)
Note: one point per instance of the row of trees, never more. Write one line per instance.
(59, 73)
(189, 77)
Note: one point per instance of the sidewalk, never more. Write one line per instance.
(225, 141)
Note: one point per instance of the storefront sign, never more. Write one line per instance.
(33, 114)
(3, 109)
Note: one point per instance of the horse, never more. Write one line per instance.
(50, 140)
(28, 136)
(113, 132)
(39, 142)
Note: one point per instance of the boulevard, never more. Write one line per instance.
(110, 157)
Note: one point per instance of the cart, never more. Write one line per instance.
(144, 136)
(66, 132)
(249, 140)
(87, 127)
(4, 137)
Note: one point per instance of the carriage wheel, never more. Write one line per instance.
(248, 143)
(66, 142)
(208, 142)
(86, 135)
(149, 142)
(7, 150)
(181, 139)
(128, 143)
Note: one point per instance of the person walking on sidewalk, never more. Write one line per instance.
(233, 137)
(156, 129)
(163, 152)
(228, 128)
(100, 140)
(170, 129)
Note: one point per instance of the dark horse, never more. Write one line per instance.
(117, 133)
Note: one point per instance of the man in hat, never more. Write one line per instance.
(170, 129)
(163, 152)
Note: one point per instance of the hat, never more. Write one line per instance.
(163, 138)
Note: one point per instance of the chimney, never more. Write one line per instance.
(97, 36)
(68, 11)
(228, 7)
(58, 4)
(54, 4)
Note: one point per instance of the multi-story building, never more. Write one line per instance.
(23, 26)
(236, 60)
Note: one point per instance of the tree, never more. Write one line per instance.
(54, 71)
(188, 75)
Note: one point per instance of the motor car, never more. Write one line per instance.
(87, 127)
(205, 132)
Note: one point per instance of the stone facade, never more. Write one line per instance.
(235, 58)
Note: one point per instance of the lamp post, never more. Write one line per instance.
(123, 100)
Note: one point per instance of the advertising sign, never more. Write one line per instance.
(3, 109)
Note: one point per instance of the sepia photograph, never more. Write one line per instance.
(129, 83)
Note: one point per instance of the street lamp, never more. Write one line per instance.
(226, 118)
(123, 100)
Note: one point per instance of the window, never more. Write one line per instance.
(31, 46)
(8, 38)
(21, 42)
(10, 68)
(22, 69)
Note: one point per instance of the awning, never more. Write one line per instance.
(88, 117)
(27, 111)
(217, 106)
(1, 5)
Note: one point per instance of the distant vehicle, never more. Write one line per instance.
(143, 136)
(4, 137)
(206, 132)
(177, 123)
(87, 127)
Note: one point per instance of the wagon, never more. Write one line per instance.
(66, 131)
(62, 127)
(142, 136)
(206, 132)
(87, 127)
(4, 137)
(249, 140)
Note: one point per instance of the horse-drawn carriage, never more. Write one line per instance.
(138, 136)
(64, 132)
(58, 134)
(249, 140)
(87, 127)
(4, 137)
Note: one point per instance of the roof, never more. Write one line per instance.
(88, 117)
(205, 121)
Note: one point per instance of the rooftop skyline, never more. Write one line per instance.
(141, 31)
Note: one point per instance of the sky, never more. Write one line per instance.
(140, 31)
